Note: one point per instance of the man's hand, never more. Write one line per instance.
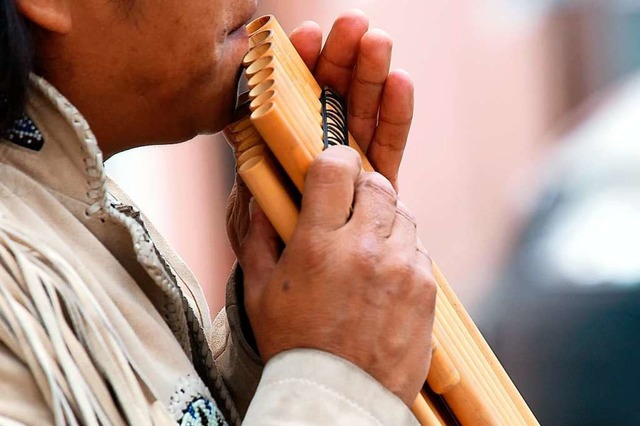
(355, 61)
(352, 281)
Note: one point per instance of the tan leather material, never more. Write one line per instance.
(45, 195)
(65, 226)
(239, 364)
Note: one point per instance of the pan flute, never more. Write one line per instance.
(286, 120)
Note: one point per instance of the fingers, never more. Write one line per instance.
(329, 188)
(396, 114)
(307, 39)
(237, 215)
(374, 207)
(259, 252)
(368, 82)
(339, 55)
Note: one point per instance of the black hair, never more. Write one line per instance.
(16, 61)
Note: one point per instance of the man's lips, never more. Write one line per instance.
(244, 20)
(235, 29)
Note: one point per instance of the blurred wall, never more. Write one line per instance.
(488, 84)
(182, 189)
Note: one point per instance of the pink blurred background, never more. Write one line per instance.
(493, 80)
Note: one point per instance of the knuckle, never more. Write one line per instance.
(308, 248)
(428, 285)
(366, 254)
(379, 185)
(404, 211)
(402, 268)
(326, 169)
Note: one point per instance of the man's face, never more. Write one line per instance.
(167, 67)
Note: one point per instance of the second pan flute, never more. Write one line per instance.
(289, 119)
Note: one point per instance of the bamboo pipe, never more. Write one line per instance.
(274, 71)
(484, 348)
(309, 133)
(257, 62)
(259, 23)
(267, 187)
(255, 151)
(465, 398)
(459, 343)
(253, 70)
(241, 145)
(269, 58)
(237, 127)
(478, 360)
(477, 409)
(283, 142)
(483, 362)
(261, 82)
(282, 40)
(293, 66)
(442, 380)
(424, 413)
(245, 144)
(259, 37)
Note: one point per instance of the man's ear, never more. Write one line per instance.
(50, 15)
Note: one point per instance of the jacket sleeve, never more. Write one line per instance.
(300, 386)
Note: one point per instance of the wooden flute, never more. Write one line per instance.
(289, 119)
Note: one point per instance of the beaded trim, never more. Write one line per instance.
(25, 133)
(192, 405)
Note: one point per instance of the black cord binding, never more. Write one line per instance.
(334, 118)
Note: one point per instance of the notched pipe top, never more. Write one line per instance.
(261, 76)
(261, 37)
(258, 23)
(263, 110)
(254, 151)
(261, 99)
(256, 53)
(239, 126)
(258, 66)
(261, 88)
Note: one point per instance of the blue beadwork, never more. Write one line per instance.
(202, 412)
(25, 133)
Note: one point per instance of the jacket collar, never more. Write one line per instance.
(69, 162)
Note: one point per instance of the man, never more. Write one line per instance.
(100, 322)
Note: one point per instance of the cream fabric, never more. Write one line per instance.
(92, 298)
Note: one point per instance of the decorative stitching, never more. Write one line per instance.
(127, 216)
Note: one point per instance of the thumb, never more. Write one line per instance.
(260, 250)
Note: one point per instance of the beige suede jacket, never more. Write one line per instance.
(102, 323)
